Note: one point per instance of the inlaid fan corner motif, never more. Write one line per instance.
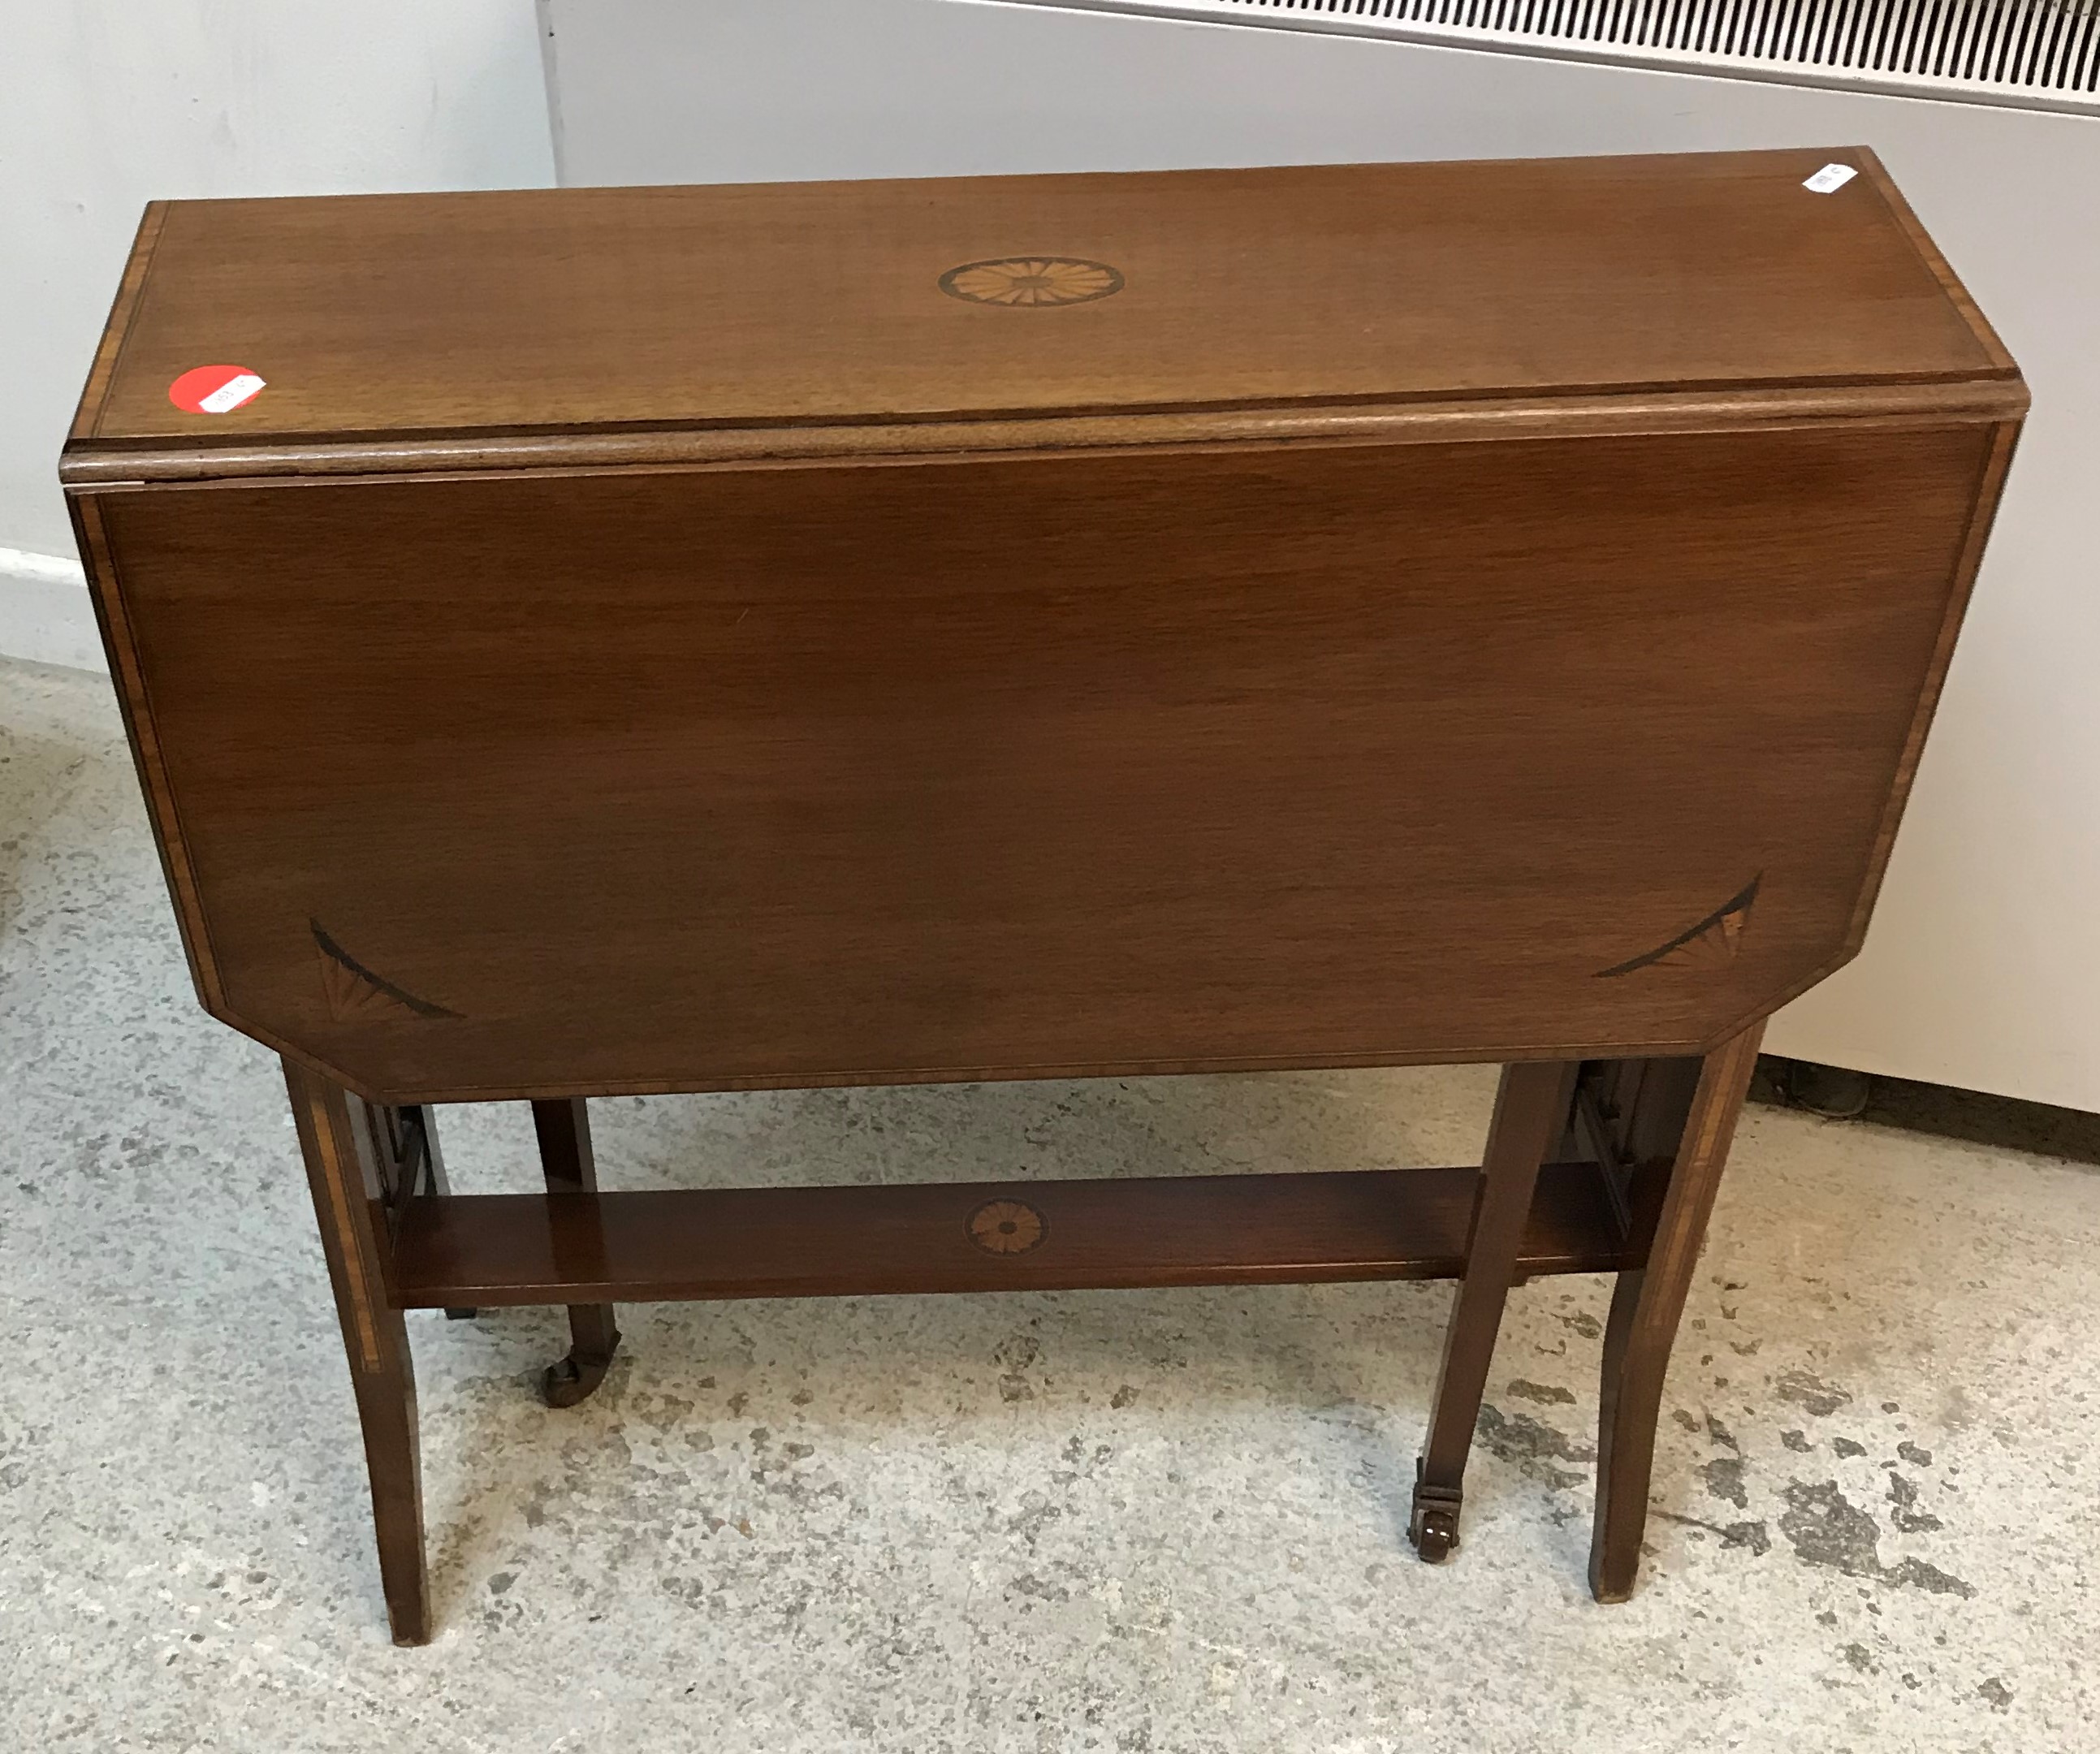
(1710, 943)
(355, 994)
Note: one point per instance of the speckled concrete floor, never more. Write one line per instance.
(1165, 1521)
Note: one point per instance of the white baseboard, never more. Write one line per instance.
(45, 613)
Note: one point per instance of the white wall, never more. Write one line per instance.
(110, 103)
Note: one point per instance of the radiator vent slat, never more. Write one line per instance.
(2025, 52)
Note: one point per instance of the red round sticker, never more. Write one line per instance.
(214, 389)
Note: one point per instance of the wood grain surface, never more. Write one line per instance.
(820, 302)
(689, 779)
(1457, 611)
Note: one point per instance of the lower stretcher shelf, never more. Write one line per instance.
(1364, 1224)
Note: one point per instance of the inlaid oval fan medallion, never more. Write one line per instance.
(1031, 280)
(1007, 1227)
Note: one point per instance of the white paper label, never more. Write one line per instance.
(231, 395)
(1830, 177)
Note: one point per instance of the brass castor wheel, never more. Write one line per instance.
(1434, 1534)
(1432, 1523)
(573, 1379)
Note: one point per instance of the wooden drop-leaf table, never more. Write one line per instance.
(625, 641)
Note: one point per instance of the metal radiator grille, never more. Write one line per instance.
(2021, 51)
